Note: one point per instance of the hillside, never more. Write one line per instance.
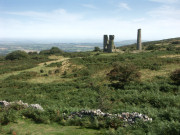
(62, 83)
(165, 44)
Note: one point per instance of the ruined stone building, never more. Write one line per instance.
(109, 44)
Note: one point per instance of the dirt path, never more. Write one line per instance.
(39, 67)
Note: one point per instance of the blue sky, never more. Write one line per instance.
(89, 19)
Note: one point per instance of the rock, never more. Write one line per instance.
(25, 105)
(4, 103)
(125, 116)
(130, 120)
(36, 106)
(150, 119)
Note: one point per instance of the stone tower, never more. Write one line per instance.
(139, 45)
(109, 44)
(105, 43)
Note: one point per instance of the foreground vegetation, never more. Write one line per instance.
(130, 81)
(26, 127)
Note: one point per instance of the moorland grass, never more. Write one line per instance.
(85, 85)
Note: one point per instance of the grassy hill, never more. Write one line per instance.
(66, 82)
(166, 44)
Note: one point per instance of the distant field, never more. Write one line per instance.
(7, 47)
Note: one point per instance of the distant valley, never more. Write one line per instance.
(29, 46)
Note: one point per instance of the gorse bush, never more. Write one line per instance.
(32, 53)
(53, 50)
(152, 47)
(57, 71)
(124, 74)
(17, 55)
(97, 49)
(175, 76)
(41, 71)
(57, 64)
(171, 48)
(176, 42)
(7, 116)
(36, 115)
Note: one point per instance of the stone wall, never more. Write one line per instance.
(125, 116)
(5, 104)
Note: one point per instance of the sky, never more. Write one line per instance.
(89, 19)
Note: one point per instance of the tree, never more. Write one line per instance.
(97, 49)
(53, 50)
(17, 55)
(33, 53)
(124, 74)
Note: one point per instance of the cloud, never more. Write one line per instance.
(165, 12)
(56, 15)
(89, 6)
(165, 1)
(62, 24)
(123, 5)
(138, 20)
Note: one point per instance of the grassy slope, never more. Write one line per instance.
(84, 85)
(26, 127)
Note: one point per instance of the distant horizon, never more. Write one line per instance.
(56, 40)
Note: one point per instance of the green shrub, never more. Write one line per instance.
(152, 47)
(36, 115)
(114, 123)
(57, 71)
(175, 76)
(155, 66)
(17, 55)
(65, 73)
(50, 72)
(97, 49)
(81, 73)
(57, 64)
(7, 116)
(168, 88)
(167, 128)
(176, 42)
(32, 53)
(53, 50)
(95, 123)
(124, 74)
(41, 71)
(171, 48)
(170, 114)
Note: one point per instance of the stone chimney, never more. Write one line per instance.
(139, 45)
(105, 43)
